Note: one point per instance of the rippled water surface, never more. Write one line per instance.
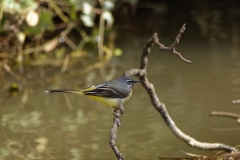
(64, 126)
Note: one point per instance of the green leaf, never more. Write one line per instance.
(45, 22)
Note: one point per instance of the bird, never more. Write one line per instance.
(111, 94)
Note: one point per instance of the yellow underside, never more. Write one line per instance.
(110, 102)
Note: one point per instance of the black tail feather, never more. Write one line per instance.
(54, 91)
(63, 91)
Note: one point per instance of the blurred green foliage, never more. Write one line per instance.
(32, 17)
(45, 23)
(54, 33)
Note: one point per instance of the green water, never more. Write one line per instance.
(72, 127)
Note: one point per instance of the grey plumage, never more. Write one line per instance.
(113, 89)
(111, 93)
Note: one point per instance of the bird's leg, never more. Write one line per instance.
(109, 108)
(120, 108)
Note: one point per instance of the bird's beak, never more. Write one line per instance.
(136, 81)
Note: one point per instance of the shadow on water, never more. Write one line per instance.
(58, 126)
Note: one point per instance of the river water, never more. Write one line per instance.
(72, 127)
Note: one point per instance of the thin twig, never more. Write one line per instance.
(70, 43)
(172, 48)
(9, 70)
(113, 132)
(59, 11)
(226, 114)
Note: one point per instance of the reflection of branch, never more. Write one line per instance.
(9, 144)
(194, 155)
(113, 132)
(68, 102)
(226, 114)
(65, 63)
(159, 106)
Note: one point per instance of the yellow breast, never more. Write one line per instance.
(110, 102)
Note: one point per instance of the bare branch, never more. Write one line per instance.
(113, 133)
(160, 107)
(226, 114)
(172, 48)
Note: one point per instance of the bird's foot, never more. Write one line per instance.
(116, 108)
(109, 108)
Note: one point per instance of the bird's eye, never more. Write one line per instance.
(130, 82)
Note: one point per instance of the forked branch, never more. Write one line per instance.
(159, 106)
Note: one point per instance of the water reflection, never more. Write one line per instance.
(74, 127)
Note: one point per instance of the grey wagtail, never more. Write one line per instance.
(111, 93)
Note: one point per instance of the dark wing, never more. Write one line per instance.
(106, 91)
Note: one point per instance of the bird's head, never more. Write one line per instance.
(127, 81)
